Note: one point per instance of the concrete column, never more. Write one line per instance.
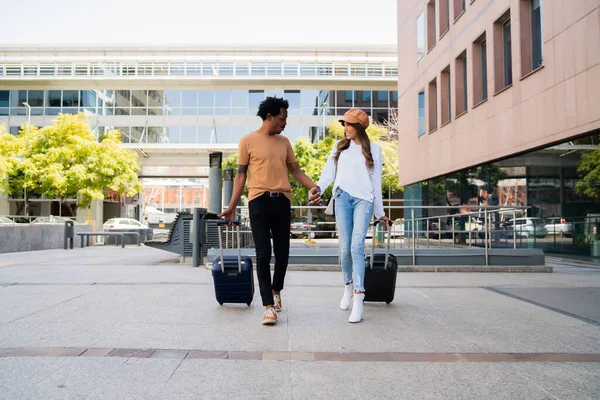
(215, 183)
(227, 185)
(45, 208)
(96, 210)
(4, 204)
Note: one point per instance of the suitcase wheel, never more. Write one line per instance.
(248, 304)
(388, 301)
(220, 303)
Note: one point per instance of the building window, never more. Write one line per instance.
(484, 82)
(432, 105)
(503, 52)
(431, 24)
(444, 17)
(461, 83)
(506, 53)
(446, 98)
(420, 36)
(480, 90)
(532, 45)
(459, 8)
(421, 112)
(537, 42)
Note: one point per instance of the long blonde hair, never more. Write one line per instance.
(364, 142)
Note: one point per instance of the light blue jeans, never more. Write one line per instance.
(352, 216)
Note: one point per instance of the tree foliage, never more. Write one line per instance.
(65, 161)
(589, 175)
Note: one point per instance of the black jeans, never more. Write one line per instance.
(270, 216)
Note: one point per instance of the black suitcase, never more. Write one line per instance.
(380, 272)
(233, 275)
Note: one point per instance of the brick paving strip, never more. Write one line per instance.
(300, 356)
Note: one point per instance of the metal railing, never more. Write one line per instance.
(467, 226)
(486, 227)
(199, 69)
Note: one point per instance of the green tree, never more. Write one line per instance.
(5, 157)
(231, 162)
(65, 161)
(589, 175)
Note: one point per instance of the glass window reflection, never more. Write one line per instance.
(189, 98)
(255, 97)
(222, 98)
(309, 98)
(70, 98)
(4, 98)
(36, 98)
(173, 98)
(239, 98)
(293, 97)
(207, 98)
(188, 134)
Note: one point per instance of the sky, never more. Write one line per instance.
(198, 22)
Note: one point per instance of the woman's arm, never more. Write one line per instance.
(326, 179)
(328, 174)
(376, 182)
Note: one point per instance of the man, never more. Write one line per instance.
(264, 159)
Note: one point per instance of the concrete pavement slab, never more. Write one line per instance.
(581, 302)
(447, 327)
(226, 379)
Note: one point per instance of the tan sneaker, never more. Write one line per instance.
(277, 300)
(269, 317)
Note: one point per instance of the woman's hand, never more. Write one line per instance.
(384, 221)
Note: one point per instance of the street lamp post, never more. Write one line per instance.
(28, 113)
(323, 106)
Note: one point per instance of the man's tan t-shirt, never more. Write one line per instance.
(267, 158)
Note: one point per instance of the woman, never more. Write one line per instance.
(354, 168)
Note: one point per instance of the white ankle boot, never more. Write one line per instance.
(357, 308)
(348, 291)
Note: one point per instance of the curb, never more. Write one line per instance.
(431, 268)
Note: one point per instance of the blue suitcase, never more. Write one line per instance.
(233, 275)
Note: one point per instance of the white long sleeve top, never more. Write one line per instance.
(353, 176)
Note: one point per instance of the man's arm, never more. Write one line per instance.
(299, 176)
(238, 187)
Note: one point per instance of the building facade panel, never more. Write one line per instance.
(517, 88)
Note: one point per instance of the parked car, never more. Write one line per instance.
(559, 226)
(398, 228)
(474, 224)
(52, 220)
(435, 228)
(123, 224)
(531, 226)
(6, 221)
(318, 228)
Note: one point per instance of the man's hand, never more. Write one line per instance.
(228, 214)
(314, 196)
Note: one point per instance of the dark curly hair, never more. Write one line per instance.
(271, 105)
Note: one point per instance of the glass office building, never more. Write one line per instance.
(177, 105)
(200, 109)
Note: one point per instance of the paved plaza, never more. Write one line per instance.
(134, 323)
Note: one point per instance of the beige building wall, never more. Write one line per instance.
(555, 102)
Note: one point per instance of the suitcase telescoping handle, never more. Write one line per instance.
(237, 223)
(387, 243)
